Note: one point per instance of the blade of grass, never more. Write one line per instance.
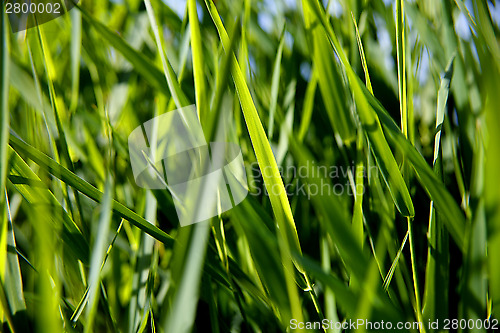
(82, 186)
(362, 55)
(181, 315)
(275, 81)
(98, 254)
(279, 201)
(253, 224)
(76, 45)
(308, 106)
(4, 137)
(4, 101)
(198, 60)
(63, 151)
(84, 300)
(48, 282)
(357, 217)
(492, 190)
(401, 57)
(435, 302)
(13, 280)
(36, 193)
(175, 89)
(330, 80)
(395, 262)
(383, 155)
(140, 62)
(403, 108)
(448, 208)
(265, 158)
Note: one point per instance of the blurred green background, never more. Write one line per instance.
(397, 96)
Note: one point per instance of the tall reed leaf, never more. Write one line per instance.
(371, 124)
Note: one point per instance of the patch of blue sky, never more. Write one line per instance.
(462, 27)
(495, 12)
(422, 73)
(179, 7)
(305, 70)
(266, 21)
(289, 40)
(385, 42)
(269, 15)
(290, 4)
(335, 9)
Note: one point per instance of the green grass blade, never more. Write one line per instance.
(330, 80)
(492, 190)
(84, 300)
(435, 301)
(4, 138)
(142, 64)
(36, 193)
(265, 157)
(198, 60)
(182, 313)
(4, 101)
(401, 55)
(267, 163)
(175, 89)
(308, 107)
(275, 81)
(253, 223)
(76, 48)
(98, 254)
(362, 55)
(13, 279)
(371, 124)
(82, 186)
(448, 208)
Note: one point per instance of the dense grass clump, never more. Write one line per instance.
(369, 132)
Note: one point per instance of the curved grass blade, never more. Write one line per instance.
(4, 101)
(35, 192)
(4, 138)
(435, 302)
(82, 186)
(181, 315)
(362, 55)
(98, 254)
(173, 84)
(330, 80)
(275, 81)
(492, 190)
(268, 166)
(265, 157)
(371, 124)
(13, 279)
(142, 64)
(83, 301)
(401, 56)
(308, 107)
(198, 60)
(446, 205)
